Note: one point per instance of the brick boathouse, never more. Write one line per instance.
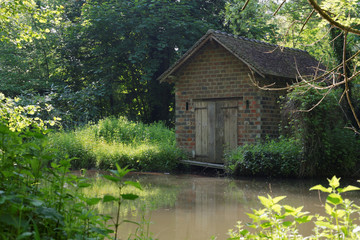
(217, 105)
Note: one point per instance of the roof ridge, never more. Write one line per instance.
(253, 40)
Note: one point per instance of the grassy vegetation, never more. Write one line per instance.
(117, 140)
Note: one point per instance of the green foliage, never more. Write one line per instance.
(101, 58)
(277, 158)
(40, 198)
(140, 146)
(36, 201)
(252, 22)
(117, 177)
(17, 19)
(325, 140)
(277, 221)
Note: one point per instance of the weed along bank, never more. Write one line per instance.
(218, 104)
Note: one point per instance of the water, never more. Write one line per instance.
(193, 207)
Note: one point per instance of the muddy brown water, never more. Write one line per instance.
(208, 206)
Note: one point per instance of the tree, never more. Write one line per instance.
(345, 17)
(253, 21)
(128, 44)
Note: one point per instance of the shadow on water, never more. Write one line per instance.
(198, 207)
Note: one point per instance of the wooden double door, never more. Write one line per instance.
(216, 129)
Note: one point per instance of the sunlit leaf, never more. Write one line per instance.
(321, 188)
(276, 208)
(334, 182)
(134, 184)
(348, 188)
(278, 199)
(266, 225)
(265, 201)
(303, 219)
(334, 199)
(328, 209)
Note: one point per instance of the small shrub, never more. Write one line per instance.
(278, 158)
(277, 221)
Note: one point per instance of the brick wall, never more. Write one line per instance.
(215, 73)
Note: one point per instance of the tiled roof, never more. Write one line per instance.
(263, 58)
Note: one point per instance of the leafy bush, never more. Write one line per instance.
(139, 146)
(325, 140)
(276, 221)
(273, 158)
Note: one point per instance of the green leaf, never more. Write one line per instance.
(287, 223)
(266, 225)
(134, 184)
(24, 235)
(278, 199)
(109, 198)
(328, 209)
(128, 221)
(334, 182)
(265, 201)
(334, 199)
(36, 203)
(244, 232)
(324, 224)
(84, 185)
(122, 171)
(129, 196)
(348, 188)
(321, 188)
(92, 201)
(101, 231)
(289, 208)
(115, 172)
(303, 219)
(277, 208)
(112, 178)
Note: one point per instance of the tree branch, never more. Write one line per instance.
(346, 81)
(326, 16)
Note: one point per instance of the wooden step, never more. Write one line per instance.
(203, 164)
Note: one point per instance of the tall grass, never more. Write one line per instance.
(118, 140)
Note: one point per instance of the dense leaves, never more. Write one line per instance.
(254, 21)
(103, 57)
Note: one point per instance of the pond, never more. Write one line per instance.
(189, 207)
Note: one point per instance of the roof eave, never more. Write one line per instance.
(163, 77)
(240, 58)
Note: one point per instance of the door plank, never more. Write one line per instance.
(219, 132)
(211, 132)
(204, 130)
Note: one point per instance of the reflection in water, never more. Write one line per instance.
(201, 207)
